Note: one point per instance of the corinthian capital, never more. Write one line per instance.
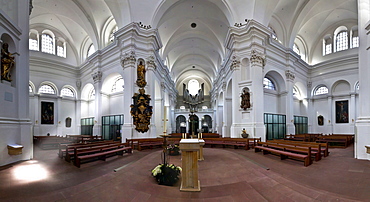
(128, 59)
(97, 76)
(151, 62)
(290, 76)
(257, 58)
(235, 63)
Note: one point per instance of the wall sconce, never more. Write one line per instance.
(36, 121)
(329, 121)
(353, 120)
(59, 122)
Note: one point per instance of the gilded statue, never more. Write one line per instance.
(141, 75)
(245, 102)
(7, 62)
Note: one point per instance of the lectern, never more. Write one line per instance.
(189, 175)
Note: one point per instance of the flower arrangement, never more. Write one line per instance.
(173, 149)
(166, 174)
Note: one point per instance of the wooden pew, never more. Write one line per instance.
(101, 152)
(63, 147)
(315, 148)
(69, 149)
(341, 141)
(283, 152)
(314, 145)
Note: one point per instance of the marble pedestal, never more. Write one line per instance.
(189, 155)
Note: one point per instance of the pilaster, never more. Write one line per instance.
(290, 76)
(97, 77)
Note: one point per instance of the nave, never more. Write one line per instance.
(225, 175)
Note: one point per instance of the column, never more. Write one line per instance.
(236, 121)
(330, 115)
(97, 76)
(362, 136)
(128, 62)
(352, 112)
(257, 64)
(59, 118)
(150, 76)
(290, 76)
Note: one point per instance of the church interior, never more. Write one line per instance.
(243, 74)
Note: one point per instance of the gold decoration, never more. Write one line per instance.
(7, 62)
(141, 75)
(141, 111)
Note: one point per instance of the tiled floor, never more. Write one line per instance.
(225, 175)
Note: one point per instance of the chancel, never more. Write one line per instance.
(278, 90)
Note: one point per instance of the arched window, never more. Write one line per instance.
(33, 41)
(321, 90)
(61, 51)
(193, 87)
(268, 84)
(47, 89)
(91, 50)
(342, 41)
(67, 92)
(47, 45)
(92, 94)
(111, 35)
(355, 39)
(296, 49)
(327, 44)
(273, 34)
(118, 85)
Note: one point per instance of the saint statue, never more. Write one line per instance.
(141, 75)
(245, 103)
(7, 62)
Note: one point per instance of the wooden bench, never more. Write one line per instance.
(323, 147)
(100, 153)
(283, 152)
(69, 153)
(297, 146)
(64, 147)
(335, 140)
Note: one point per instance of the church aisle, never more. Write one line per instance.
(225, 175)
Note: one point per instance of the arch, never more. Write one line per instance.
(277, 79)
(86, 91)
(34, 40)
(109, 27)
(180, 124)
(109, 81)
(320, 90)
(357, 87)
(71, 88)
(341, 39)
(341, 87)
(51, 85)
(48, 42)
(32, 88)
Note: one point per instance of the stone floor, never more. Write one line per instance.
(225, 175)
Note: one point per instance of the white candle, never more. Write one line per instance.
(165, 117)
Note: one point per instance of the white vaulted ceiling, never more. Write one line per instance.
(185, 47)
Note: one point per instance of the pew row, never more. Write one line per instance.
(100, 152)
(285, 152)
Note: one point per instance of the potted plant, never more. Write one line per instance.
(173, 150)
(166, 174)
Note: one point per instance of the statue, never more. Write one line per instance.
(7, 62)
(141, 75)
(244, 133)
(245, 103)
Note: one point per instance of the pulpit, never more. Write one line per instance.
(189, 175)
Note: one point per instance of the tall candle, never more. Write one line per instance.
(165, 119)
